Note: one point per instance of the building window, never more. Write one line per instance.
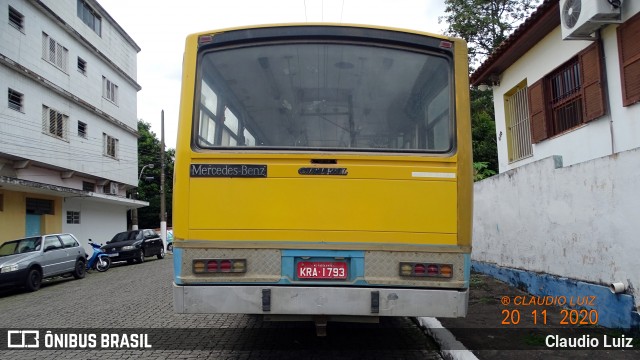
(54, 123)
(39, 206)
(82, 66)
(16, 19)
(82, 129)
(88, 186)
(517, 121)
(568, 97)
(73, 217)
(110, 146)
(629, 54)
(15, 100)
(109, 90)
(54, 53)
(90, 17)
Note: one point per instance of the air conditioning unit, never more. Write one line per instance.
(113, 188)
(580, 18)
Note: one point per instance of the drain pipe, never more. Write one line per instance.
(613, 148)
(617, 288)
(605, 87)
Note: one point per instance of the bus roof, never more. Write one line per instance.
(328, 24)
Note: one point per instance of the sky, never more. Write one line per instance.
(160, 30)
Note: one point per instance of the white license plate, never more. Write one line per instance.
(113, 254)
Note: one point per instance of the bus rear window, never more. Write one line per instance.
(324, 96)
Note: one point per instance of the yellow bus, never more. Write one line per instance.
(323, 172)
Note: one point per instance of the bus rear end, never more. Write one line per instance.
(323, 170)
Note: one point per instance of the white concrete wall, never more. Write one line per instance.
(617, 131)
(25, 48)
(21, 134)
(98, 221)
(579, 221)
(111, 41)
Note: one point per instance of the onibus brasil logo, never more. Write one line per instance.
(31, 339)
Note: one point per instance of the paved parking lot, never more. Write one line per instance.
(137, 299)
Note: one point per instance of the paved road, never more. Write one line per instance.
(137, 299)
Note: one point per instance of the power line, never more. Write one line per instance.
(31, 126)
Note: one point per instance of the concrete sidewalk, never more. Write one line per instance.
(495, 328)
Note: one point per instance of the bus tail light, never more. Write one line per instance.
(432, 270)
(426, 270)
(225, 266)
(212, 266)
(446, 270)
(207, 266)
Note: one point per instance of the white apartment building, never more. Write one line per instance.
(68, 129)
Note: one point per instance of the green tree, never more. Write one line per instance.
(149, 190)
(484, 24)
(483, 129)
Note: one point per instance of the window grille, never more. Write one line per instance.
(88, 186)
(518, 125)
(16, 19)
(82, 129)
(15, 100)
(73, 217)
(54, 53)
(109, 90)
(566, 97)
(82, 66)
(54, 123)
(110, 146)
(39, 206)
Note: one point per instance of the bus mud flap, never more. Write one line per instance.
(266, 300)
(321, 325)
(375, 302)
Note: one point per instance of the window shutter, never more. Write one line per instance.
(537, 112)
(592, 87)
(629, 54)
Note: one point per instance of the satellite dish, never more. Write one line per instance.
(571, 12)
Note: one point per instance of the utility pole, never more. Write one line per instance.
(134, 211)
(163, 213)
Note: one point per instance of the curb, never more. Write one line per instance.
(445, 339)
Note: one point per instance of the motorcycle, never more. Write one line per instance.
(99, 259)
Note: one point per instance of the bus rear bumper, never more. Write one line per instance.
(290, 300)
